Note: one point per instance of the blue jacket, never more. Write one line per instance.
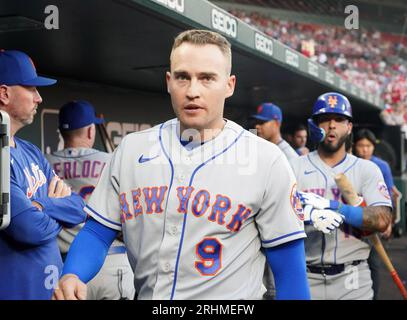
(29, 256)
(386, 171)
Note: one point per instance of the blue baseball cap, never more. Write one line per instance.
(16, 68)
(77, 114)
(268, 111)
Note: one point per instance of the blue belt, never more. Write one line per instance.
(117, 250)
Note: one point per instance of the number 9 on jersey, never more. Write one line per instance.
(209, 253)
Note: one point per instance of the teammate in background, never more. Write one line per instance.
(268, 123)
(333, 259)
(193, 222)
(269, 119)
(364, 145)
(81, 166)
(41, 203)
(300, 136)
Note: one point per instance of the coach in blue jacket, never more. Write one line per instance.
(41, 203)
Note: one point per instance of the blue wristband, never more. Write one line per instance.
(353, 215)
(334, 205)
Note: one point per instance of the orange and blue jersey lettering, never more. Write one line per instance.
(124, 208)
(219, 209)
(86, 191)
(336, 193)
(154, 197)
(209, 251)
(138, 209)
(318, 191)
(202, 194)
(183, 195)
(238, 218)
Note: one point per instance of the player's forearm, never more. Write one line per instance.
(33, 227)
(287, 261)
(371, 218)
(376, 219)
(88, 251)
(68, 211)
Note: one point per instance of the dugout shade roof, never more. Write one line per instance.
(126, 43)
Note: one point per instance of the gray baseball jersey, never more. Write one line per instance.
(287, 150)
(268, 279)
(313, 175)
(80, 168)
(194, 219)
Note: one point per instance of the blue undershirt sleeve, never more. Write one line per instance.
(287, 261)
(89, 249)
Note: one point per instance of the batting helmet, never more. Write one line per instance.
(331, 102)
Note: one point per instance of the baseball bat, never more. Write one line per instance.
(352, 198)
(107, 142)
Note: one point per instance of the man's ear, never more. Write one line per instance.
(4, 94)
(231, 86)
(168, 78)
(91, 131)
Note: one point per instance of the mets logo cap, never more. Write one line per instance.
(77, 114)
(268, 111)
(16, 68)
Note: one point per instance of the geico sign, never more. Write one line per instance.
(117, 130)
(224, 23)
(177, 5)
(263, 44)
(292, 58)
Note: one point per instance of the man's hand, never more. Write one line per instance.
(324, 220)
(70, 287)
(58, 188)
(387, 234)
(37, 205)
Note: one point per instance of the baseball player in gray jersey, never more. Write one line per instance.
(268, 123)
(194, 214)
(81, 166)
(336, 262)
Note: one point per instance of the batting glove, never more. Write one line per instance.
(318, 202)
(324, 220)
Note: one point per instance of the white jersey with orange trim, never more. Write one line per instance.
(194, 220)
(346, 244)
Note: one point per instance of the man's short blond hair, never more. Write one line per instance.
(203, 37)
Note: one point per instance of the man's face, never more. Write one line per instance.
(267, 129)
(199, 83)
(20, 103)
(300, 138)
(364, 149)
(337, 129)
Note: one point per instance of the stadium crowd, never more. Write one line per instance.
(370, 59)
